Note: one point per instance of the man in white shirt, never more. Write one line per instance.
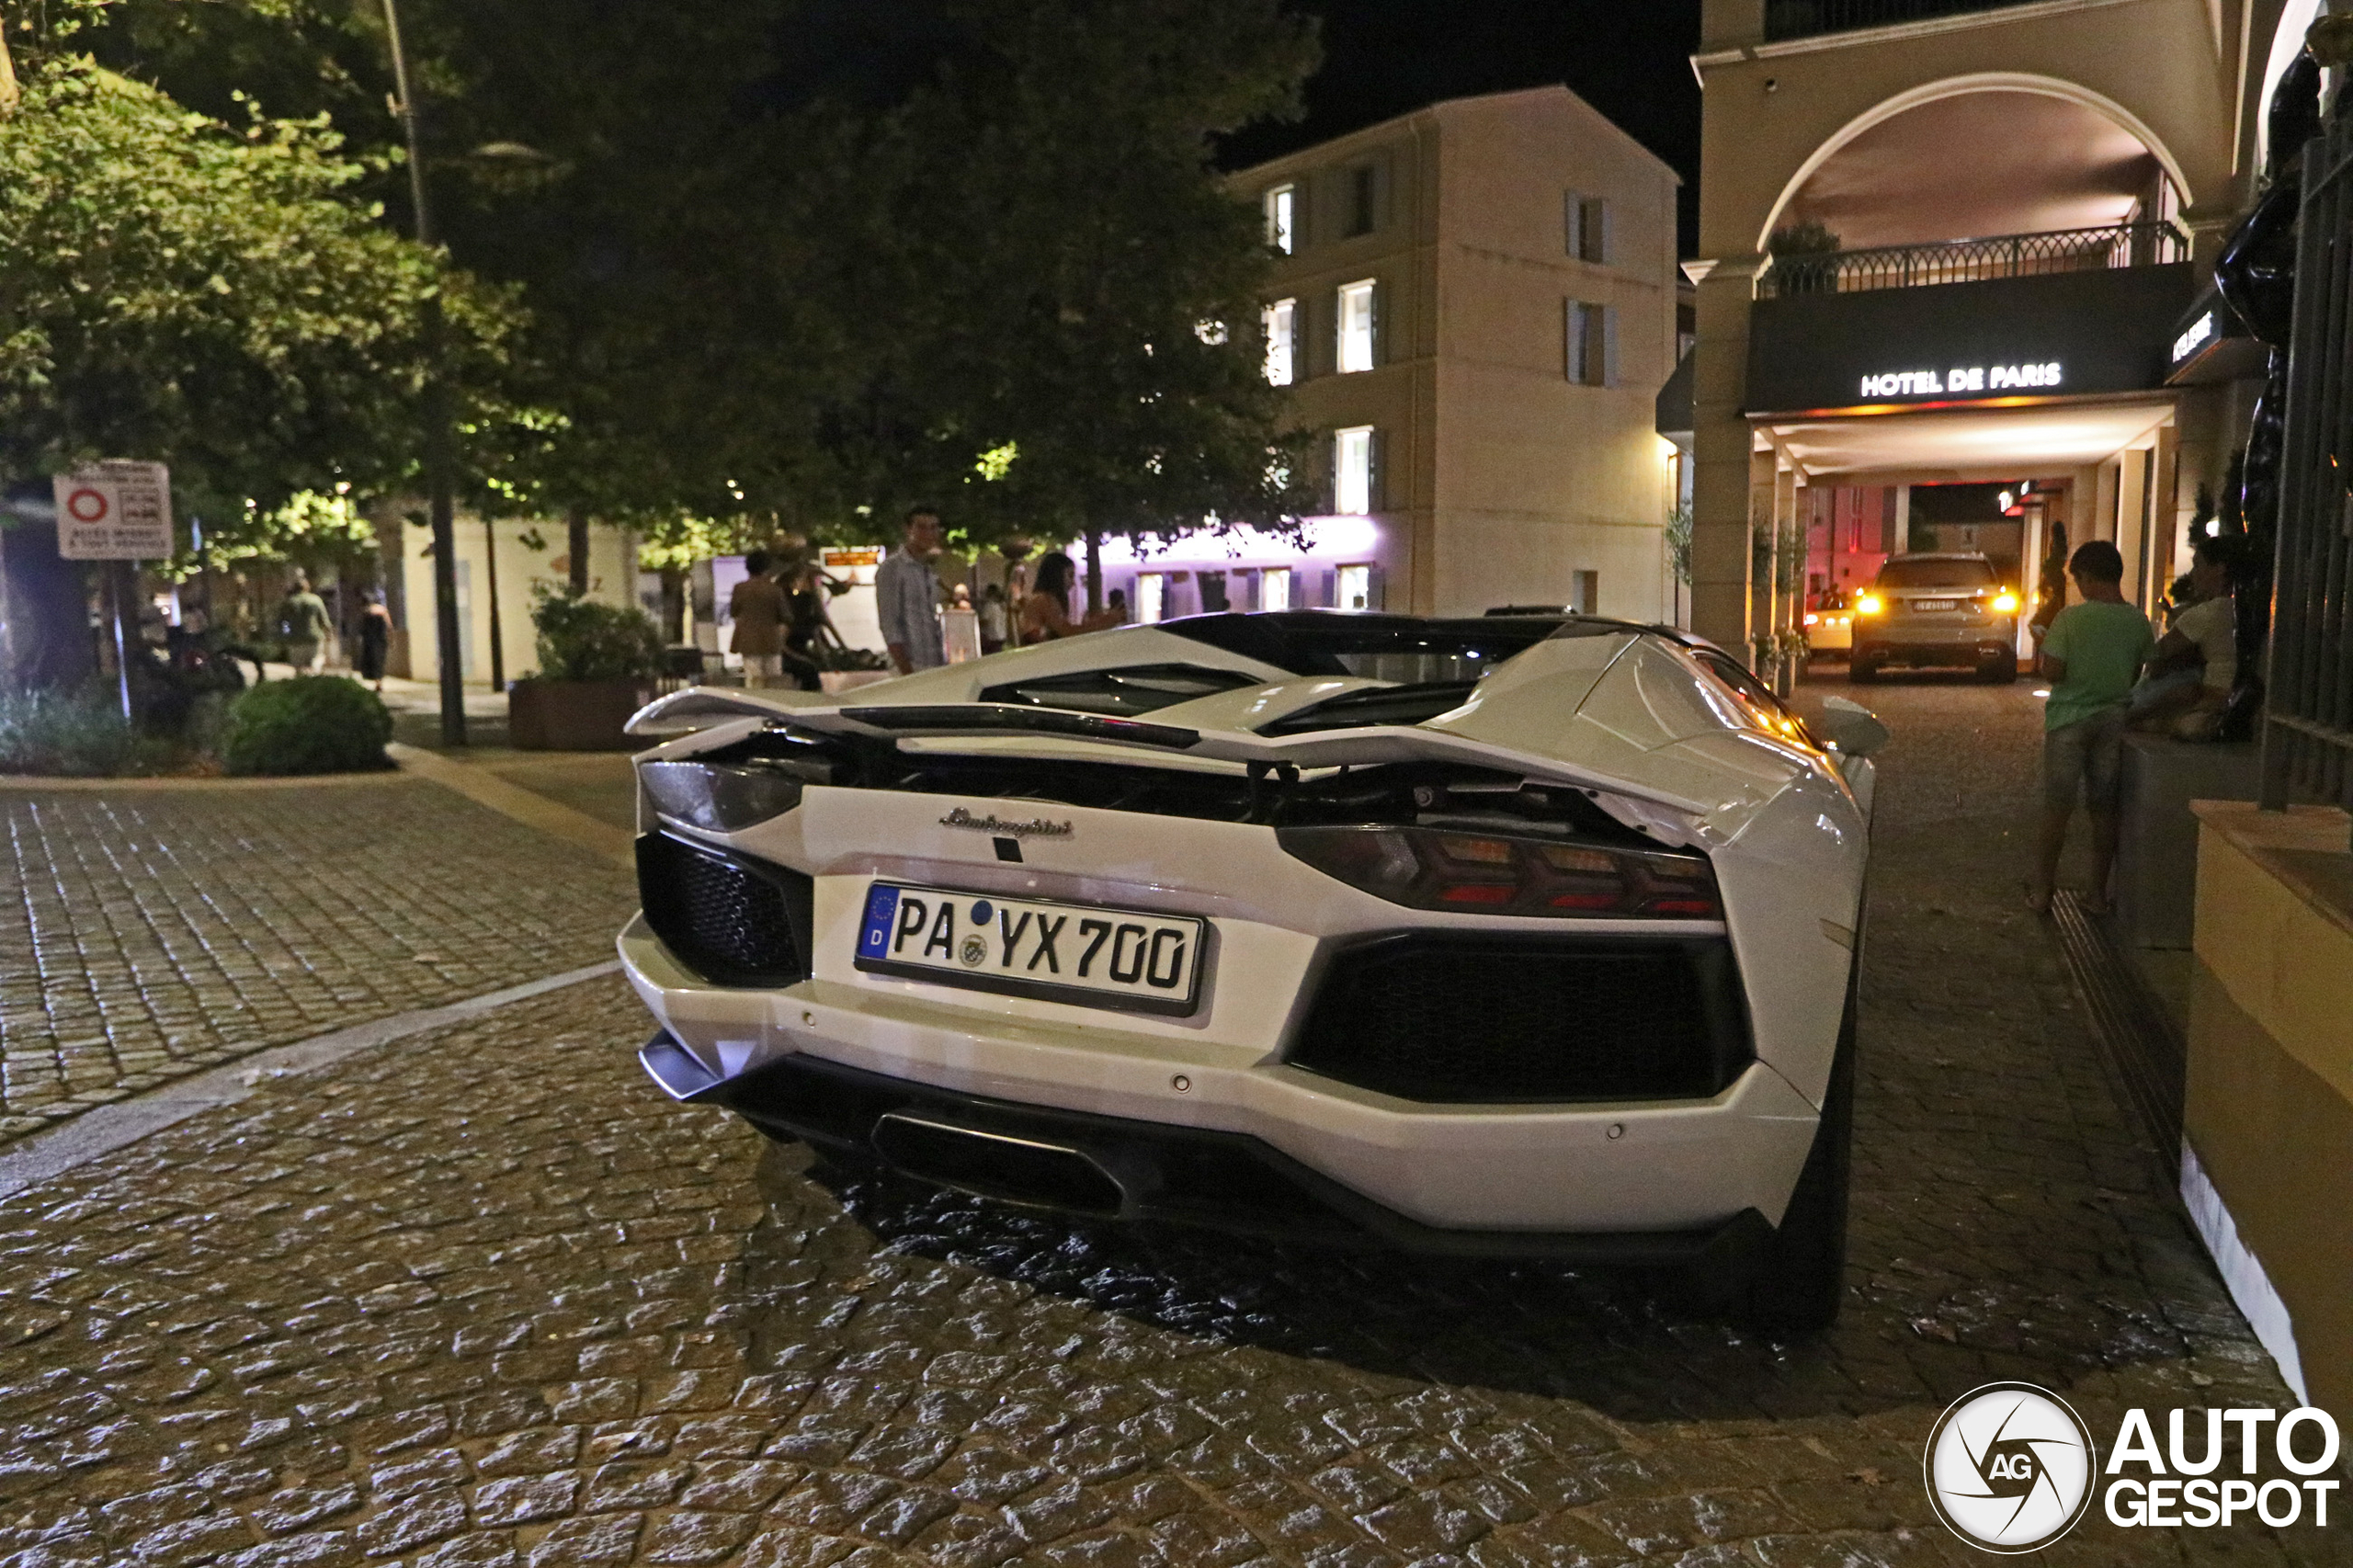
(906, 596)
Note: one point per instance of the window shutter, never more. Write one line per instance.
(1604, 249)
(1572, 223)
(1376, 593)
(1328, 595)
(1379, 333)
(1328, 500)
(1572, 340)
(1376, 475)
(1608, 345)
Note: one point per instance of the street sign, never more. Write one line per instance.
(114, 511)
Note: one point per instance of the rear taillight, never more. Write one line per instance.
(1478, 873)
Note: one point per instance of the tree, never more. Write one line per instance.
(175, 288)
(1077, 293)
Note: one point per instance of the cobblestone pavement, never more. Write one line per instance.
(485, 1298)
(145, 934)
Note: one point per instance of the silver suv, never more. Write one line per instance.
(1936, 609)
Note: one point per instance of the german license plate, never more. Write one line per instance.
(1122, 959)
(1936, 604)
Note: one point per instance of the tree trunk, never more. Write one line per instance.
(1094, 571)
(576, 543)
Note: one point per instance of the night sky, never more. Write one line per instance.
(1630, 59)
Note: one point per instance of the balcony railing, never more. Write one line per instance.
(1973, 261)
(1811, 18)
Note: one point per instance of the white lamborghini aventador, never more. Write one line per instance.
(1522, 936)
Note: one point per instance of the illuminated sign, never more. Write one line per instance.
(1961, 379)
(2202, 331)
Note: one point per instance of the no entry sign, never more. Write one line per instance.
(114, 511)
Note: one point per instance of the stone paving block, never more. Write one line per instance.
(146, 935)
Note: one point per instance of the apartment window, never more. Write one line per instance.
(1281, 320)
(1588, 221)
(1584, 598)
(1356, 326)
(1274, 588)
(1352, 471)
(1281, 203)
(1356, 587)
(1361, 201)
(1589, 349)
(1152, 597)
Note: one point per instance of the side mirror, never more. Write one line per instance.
(1854, 729)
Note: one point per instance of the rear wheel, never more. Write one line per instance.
(2000, 672)
(1861, 671)
(1801, 1279)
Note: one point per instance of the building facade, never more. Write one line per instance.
(1951, 243)
(500, 564)
(1475, 310)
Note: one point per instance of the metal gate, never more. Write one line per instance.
(2308, 725)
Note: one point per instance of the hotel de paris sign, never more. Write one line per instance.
(1998, 342)
(1963, 381)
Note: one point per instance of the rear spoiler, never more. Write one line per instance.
(1335, 748)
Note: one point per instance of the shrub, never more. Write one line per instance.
(582, 640)
(308, 724)
(74, 735)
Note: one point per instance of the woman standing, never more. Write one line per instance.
(1045, 614)
(375, 637)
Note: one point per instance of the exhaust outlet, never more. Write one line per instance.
(993, 1165)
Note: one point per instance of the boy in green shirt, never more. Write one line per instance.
(2092, 654)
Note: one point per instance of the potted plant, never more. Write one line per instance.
(597, 665)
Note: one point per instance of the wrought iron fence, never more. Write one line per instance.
(2308, 724)
(1807, 19)
(1975, 261)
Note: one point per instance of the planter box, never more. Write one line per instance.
(575, 715)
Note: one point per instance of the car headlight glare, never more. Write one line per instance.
(2005, 603)
(1867, 604)
(1494, 874)
(718, 797)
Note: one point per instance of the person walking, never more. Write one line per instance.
(302, 616)
(906, 596)
(1045, 614)
(2092, 654)
(760, 611)
(375, 637)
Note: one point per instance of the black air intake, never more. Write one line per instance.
(737, 921)
(1470, 1019)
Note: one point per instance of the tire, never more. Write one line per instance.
(1861, 672)
(1801, 1279)
(2001, 672)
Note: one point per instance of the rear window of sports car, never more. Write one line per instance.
(1379, 647)
(1122, 693)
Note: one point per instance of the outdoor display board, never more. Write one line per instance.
(114, 511)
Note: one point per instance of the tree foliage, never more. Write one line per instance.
(178, 289)
(801, 263)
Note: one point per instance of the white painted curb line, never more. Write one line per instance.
(102, 1130)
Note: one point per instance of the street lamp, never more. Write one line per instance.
(440, 457)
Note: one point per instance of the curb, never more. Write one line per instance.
(509, 799)
(105, 1129)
